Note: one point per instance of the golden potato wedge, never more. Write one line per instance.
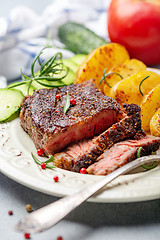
(103, 57)
(155, 124)
(150, 104)
(125, 69)
(132, 89)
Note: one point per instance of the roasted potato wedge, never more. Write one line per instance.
(125, 69)
(132, 89)
(155, 124)
(150, 104)
(103, 57)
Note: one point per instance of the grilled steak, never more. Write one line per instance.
(85, 153)
(42, 116)
(121, 153)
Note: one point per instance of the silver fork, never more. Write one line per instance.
(49, 215)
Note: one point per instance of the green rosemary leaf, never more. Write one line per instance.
(48, 65)
(34, 61)
(50, 166)
(29, 85)
(16, 85)
(48, 69)
(51, 85)
(149, 167)
(50, 159)
(139, 152)
(144, 166)
(36, 159)
(67, 103)
(141, 84)
(46, 162)
(106, 75)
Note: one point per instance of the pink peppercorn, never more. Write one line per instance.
(56, 178)
(58, 97)
(40, 152)
(73, 101)
(27, 236)
(43, 165)
(83, 170)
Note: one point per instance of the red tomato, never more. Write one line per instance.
(136, 25)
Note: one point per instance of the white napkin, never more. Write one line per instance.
(24, 33)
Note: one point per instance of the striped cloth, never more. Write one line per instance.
(24, 33)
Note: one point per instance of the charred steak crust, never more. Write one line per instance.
(86, 153)
(121, 153)
(125, 128)
(42, 116)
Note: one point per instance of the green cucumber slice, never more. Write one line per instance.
(78, 58)
(70, 64)
(10, 100)
(78, 38)
(23, 88)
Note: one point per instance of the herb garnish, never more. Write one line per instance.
(141, 84)
(67, 103)
(48, 70)
(144, 166)
(50, 159)
(106, 75)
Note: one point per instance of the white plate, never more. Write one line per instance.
(16, 162)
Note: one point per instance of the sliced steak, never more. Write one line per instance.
(85, 153)
(42, 116)
(121, 153)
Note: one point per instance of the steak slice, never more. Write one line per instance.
(42, 116)
(85, 153)
(121, 153)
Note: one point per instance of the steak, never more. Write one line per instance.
(121, 153)
(86, 153)
(42, 116)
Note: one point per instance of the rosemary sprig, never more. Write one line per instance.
(144, 166)
(48, 71)
(141, 84)
(50, 159)
(67, 103)
(106, 75)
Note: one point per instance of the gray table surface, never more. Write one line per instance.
(91, 221)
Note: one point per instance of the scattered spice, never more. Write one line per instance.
(40, 152)
(73, 101)
(10, 212)
(27, 235)
(56, 178)
(83, 170)
(29, 208)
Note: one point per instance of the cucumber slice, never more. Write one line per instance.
(23, 88)
(70, 64)
(78, 38)
(78, 58)
(10, 100)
